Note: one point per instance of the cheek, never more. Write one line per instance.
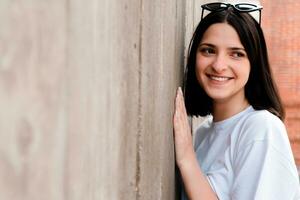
(246, 72)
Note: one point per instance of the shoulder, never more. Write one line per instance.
(262, 139)
(263, 118)
(262, 121)
(263, 126)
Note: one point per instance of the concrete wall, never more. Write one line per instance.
(86, 98)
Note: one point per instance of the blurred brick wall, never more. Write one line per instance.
(281, 25)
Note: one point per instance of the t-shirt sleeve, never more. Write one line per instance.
(263, 166)
(262, 173)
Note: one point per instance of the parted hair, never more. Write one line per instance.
(260, 90)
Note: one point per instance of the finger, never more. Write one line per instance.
(181, 103)
(182, 112)
(180, 91)
(177, 109)
(178, 95)
(178, 103)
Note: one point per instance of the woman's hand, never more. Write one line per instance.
(195, 183)
(182, 133)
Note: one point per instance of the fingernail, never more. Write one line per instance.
(180, 90)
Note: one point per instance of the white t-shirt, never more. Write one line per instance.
(248, 157)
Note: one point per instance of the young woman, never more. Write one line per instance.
(241, 151)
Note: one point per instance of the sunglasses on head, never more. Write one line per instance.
(240, 7)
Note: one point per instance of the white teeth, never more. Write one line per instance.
(218, 78)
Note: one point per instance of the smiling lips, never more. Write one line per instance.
(218, 78)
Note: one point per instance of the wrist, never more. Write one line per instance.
(189, 160)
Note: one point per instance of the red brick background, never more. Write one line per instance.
(281, 25)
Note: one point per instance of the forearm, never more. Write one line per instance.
(195, 183)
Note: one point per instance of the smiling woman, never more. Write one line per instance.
(223, 68)
(242, 149)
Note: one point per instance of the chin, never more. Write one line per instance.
(218, 94)
(218, 98)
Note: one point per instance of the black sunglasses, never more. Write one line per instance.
(240, 7)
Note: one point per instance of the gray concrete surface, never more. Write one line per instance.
(141, 67)
(87, 91)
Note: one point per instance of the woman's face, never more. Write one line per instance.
(222, 64)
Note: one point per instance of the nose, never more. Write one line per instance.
(219, 64)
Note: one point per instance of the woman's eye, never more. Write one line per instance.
(238, 54)
(207, 51)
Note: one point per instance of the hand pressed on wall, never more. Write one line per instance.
(182, 131)
(195, 183)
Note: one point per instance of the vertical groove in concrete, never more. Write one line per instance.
(66, 163)
(161, 63)
(139, 122)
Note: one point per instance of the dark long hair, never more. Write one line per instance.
(260, 90)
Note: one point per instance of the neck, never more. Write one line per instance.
(225, 110)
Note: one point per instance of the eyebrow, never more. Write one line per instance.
(231, 48)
